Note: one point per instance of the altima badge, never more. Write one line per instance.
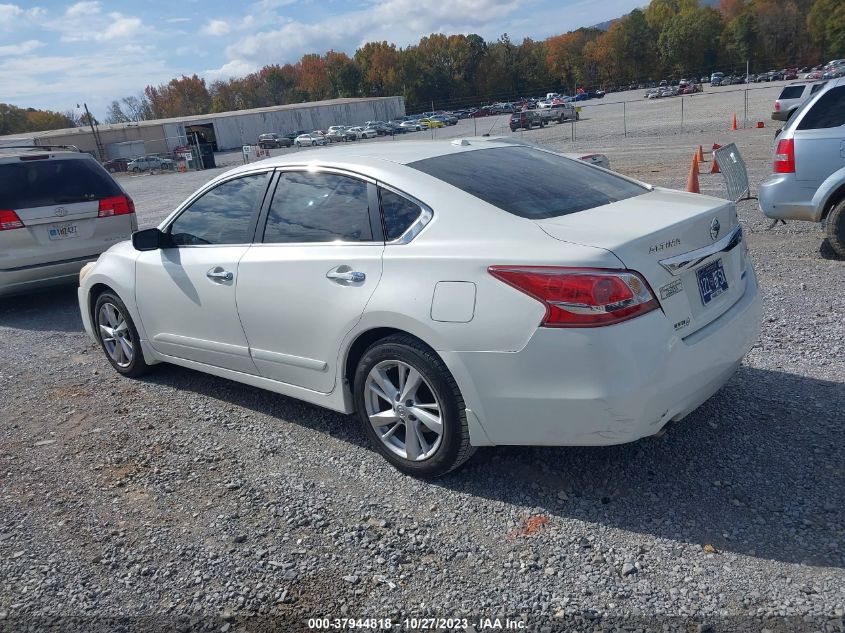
(714, 229)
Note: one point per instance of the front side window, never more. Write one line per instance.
(828, 111)
(223, 215)
(319, 207)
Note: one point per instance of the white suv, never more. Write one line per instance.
(59, 209)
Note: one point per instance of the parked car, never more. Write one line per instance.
(363, 132)
(150, 163)
(598, 267)
(526, 120)
(411, 126)
(559, 112)
(310, 139)
(292, 136)
(271, 140)
(792, 96)
(116, 165)
(339, 134)
(481, 112)
(716, 78)
(808, 182)
(59, 209)
(433, 122)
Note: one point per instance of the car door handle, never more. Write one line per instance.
(352, 276)
(218, 274)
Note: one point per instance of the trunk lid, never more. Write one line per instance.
(669, 237)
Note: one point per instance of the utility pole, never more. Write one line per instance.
(100, 152)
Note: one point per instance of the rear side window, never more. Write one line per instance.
(828, 111)
(41, 183)
(319, 207)
(549, 185)
(399, 213)
(223, 215)
(792, 92)
(817, 87)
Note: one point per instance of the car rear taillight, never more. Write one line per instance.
(116, 205)
(581, 297)
(777, 106)
(785, 157)
(9, 220)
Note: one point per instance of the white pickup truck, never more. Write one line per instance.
(559, 112)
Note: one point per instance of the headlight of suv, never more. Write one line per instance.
(87, 268)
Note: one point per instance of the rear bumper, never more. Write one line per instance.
(607, 385)
(781, 115)
(29, 278)
(782, 197)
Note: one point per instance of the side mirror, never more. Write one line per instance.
(150, 240)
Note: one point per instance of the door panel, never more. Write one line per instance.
(295, 317)
(188, 314)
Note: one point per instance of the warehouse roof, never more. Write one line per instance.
(198, 118)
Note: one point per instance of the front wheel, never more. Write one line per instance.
(411, 408)
(118, 336)
(836, 228)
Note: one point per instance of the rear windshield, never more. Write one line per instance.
(792, 92)
(528, 182)
(41, 183)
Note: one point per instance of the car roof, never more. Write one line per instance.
(398, 152)
(53, 152)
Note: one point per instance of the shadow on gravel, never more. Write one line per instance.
(50, 310)
(826, 251)
(757, 470)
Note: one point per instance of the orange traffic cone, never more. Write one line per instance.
(700, 154)
(714, 168)
(733, 123)
(692, 179)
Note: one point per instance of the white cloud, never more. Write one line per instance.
(10, 13)
(177, 20)
(216, 28)
(86, 22)
(399, 21)
(236, 68)
(23, 48)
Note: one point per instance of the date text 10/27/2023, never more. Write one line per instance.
(417, 624)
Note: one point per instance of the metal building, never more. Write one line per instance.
(223, 130)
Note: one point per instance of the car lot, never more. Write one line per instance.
(185, 495)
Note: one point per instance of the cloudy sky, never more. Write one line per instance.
(57, 53)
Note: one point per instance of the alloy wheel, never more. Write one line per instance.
(403, 410)
(115, 334)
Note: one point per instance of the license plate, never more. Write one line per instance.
(711, 281)
(62, 232)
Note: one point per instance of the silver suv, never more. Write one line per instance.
(59, 209)
(809, 165)
(792, 96)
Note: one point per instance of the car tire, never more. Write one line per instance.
(577, 116)
(435, 453)
(118, 336)
(836, 228)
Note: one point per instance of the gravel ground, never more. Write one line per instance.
(185, 502)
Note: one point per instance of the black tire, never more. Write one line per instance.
(137, 366)
(836, 228)
(454, 448)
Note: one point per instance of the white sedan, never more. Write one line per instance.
(363, 132)
(413, 283)
(305, 140)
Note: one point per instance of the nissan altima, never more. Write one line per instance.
(416, 285)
